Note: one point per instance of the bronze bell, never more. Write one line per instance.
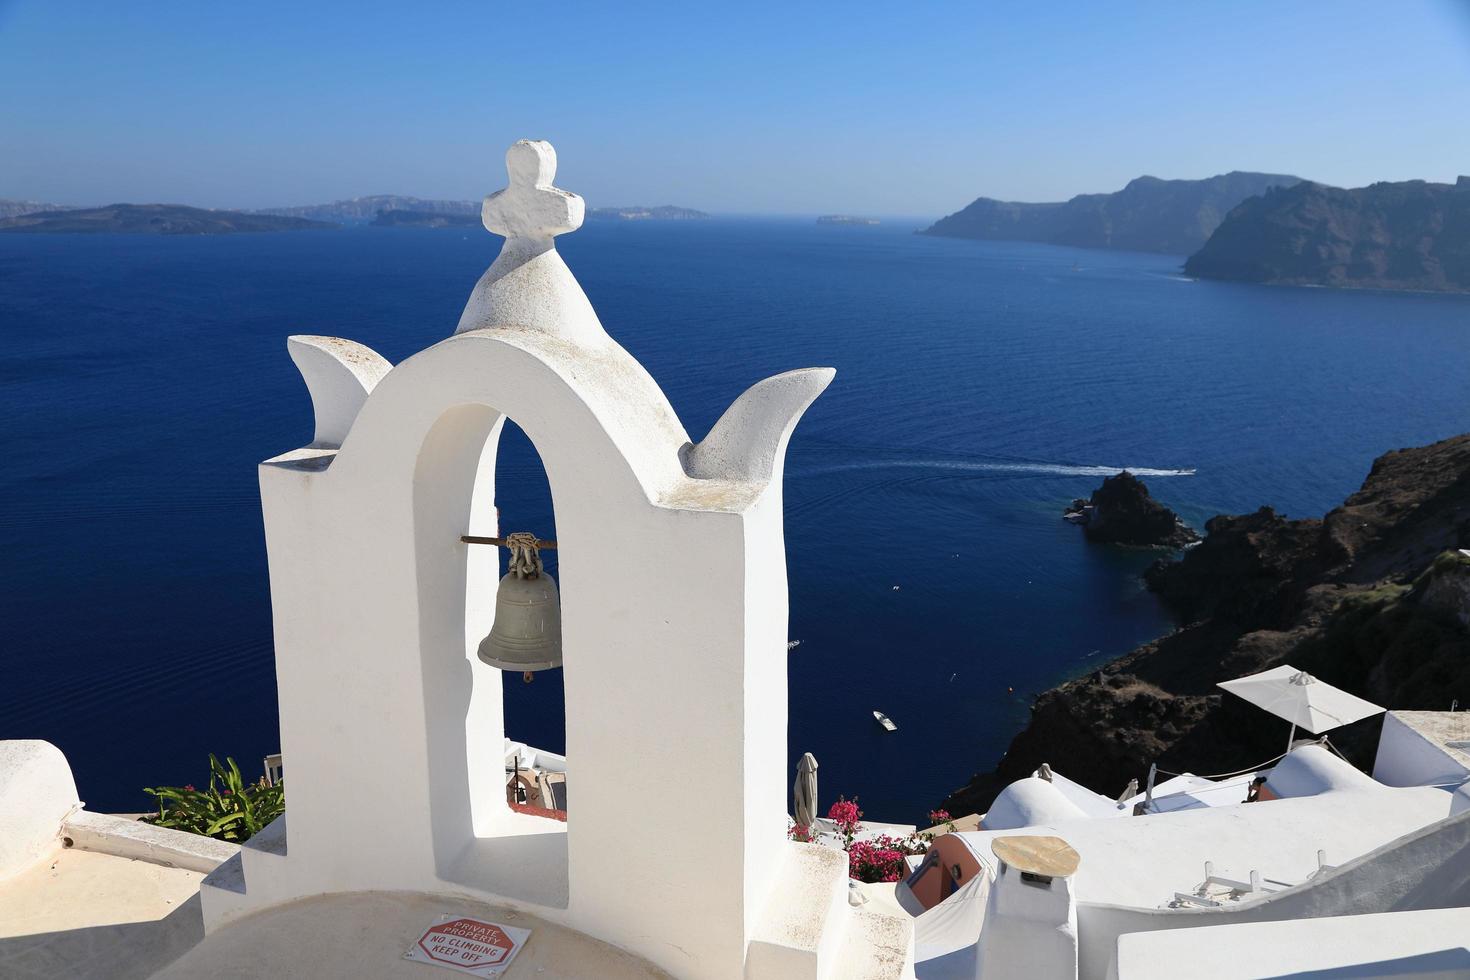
(526, 635)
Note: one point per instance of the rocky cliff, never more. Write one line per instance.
(1148, 215)
(1407, 235)
(1373, 598)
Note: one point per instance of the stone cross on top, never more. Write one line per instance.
(529, 287)
(531, 208)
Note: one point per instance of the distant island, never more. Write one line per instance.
(381, 210)
(663, 212)
(444, 218)
(360, 210)
(1149, 215)
(153, 219)
(419, 212)
(1405, 235)
(397, 218)
(845, 219)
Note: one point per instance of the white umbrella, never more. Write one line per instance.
(1301, 699)
(804, 791)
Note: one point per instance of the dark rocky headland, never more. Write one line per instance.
(1148, 215)
(1373, 598)
(1407, 235)
(1122, 512)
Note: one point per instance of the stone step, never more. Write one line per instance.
(222, 894)
(877, 945)
(257, 870)
(263, 853)
(802, 926)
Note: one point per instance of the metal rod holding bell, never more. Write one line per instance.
(526, 634)
(541, 544)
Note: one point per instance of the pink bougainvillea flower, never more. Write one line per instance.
(846, 815)
(875, 861)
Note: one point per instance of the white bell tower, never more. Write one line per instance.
(674, 609)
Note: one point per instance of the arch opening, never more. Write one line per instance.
(467, 468)
(535, 712)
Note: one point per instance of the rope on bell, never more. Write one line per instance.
(525, 554)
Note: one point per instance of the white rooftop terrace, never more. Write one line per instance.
(1326, 840)
(1140, 862)
(1433, 944)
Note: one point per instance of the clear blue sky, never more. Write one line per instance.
(883, 108)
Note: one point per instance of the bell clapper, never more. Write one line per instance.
(527, 676)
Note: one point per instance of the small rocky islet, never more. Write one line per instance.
(1122, 512)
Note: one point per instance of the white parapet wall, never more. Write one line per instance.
(139, 841)
(1423, 748)
(37, 793)
(41, 814)
(1425, 945)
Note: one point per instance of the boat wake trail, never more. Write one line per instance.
(1024, 468)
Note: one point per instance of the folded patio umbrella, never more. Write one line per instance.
(804, 791)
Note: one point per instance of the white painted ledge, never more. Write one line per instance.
(144, 842)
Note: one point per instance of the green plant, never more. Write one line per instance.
(230, 809)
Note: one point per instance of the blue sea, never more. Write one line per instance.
(980, 387)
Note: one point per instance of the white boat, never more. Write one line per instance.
(885, 721)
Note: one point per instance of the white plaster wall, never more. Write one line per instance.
(1030, 929)
(674, 626)
(1407, 758)
(36, 793)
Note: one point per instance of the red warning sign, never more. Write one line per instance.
(470, 945)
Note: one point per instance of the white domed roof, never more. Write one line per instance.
(1312, 769)
(1029, 802)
